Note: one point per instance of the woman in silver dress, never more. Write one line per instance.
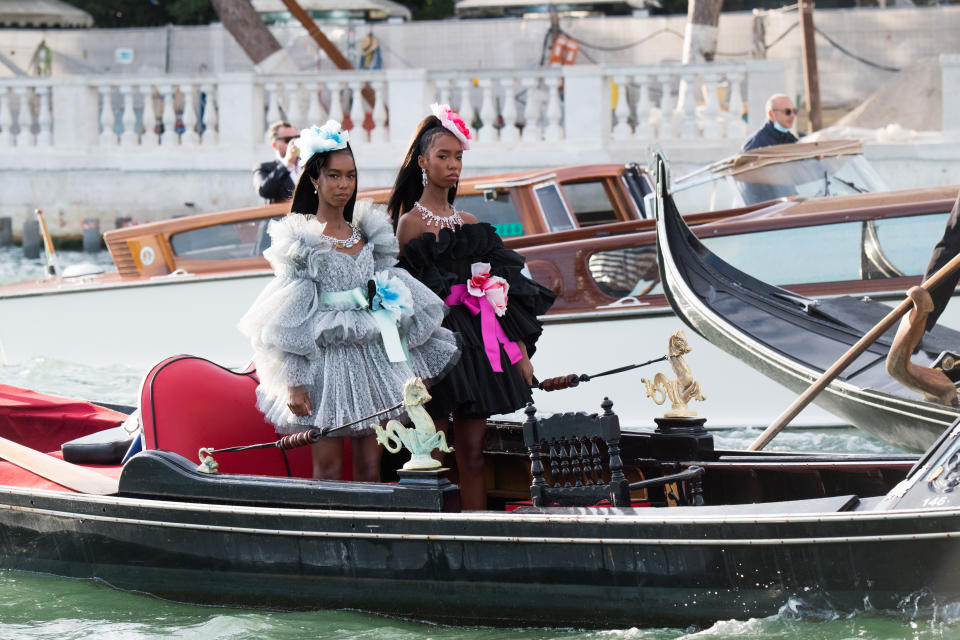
(339, 329)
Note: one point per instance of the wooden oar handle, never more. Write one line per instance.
(560, 382)
(301, 439)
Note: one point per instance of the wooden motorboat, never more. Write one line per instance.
(793, 339)
(184, 282)
(839, 531)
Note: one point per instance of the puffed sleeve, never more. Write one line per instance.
(374, 221)
(280, 322)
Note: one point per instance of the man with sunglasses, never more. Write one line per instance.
(274, 180)
(781, 114)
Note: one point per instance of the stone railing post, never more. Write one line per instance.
(764, 78)
(75, 113)
(587, 109)
(407, 102)
(950, 79)
(240, 113)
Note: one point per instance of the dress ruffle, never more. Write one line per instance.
(442, 261)
(335, 349)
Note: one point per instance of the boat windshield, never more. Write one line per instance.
(228, 241)
(810, 177)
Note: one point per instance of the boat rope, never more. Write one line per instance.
(572, 380)
(301, 438)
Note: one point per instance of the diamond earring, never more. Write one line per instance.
(424, 180)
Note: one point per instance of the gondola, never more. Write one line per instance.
(705, 534)
(793, 339)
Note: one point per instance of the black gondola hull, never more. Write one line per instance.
(574, 567)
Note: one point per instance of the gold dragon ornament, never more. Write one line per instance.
(680, 390)
(420, 440)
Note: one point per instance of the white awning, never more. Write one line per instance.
(468, 5)
(42, 13)
(387, 8)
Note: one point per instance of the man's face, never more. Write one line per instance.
(284, 136)
(783, 113)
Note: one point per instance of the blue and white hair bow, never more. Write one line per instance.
(329, 137)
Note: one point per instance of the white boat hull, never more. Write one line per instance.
(140, 324)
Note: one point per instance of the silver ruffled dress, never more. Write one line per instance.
(312, 325)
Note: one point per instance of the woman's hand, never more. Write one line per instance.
(525, 367)
(298, 401)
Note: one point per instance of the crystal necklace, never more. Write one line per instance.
(354, 238)
(444, 222)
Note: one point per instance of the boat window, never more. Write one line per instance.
(246, 239)
(555, 212)
(626, 272)
(907, 243)
(860, 250)
(590, 202)
(494, 207)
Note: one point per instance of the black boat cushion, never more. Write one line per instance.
(863, 316)
(103, 447)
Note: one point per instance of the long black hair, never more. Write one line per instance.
(409, 185)
(305, 196)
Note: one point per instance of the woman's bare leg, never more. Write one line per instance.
(468, 434)
(441, 424)
(328, 459)
(366, 459)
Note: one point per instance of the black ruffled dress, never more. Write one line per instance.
(473, 388)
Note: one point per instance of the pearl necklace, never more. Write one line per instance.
(354, 238)
(444, 222)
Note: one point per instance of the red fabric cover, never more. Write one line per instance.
(44, 422)
(13, 476)
(187, 403)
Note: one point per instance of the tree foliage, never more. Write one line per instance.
(146, 13)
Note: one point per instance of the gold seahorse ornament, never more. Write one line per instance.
(420, 440)
(679, 390)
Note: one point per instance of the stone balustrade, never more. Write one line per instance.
(589, 105)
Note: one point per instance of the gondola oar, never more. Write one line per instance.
(847, 358)
(292, 441)
(63, 473)
(572, 380)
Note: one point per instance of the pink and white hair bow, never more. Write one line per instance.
(453, 123)
(493, 288)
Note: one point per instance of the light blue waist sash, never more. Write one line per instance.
(394, 346)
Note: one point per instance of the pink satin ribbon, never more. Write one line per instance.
(490, 329)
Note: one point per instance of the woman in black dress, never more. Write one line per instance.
(493, 306)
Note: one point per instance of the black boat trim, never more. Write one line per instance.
(691, 542)
(677, 515)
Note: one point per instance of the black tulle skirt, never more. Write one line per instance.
(472, 388)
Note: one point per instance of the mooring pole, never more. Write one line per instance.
(811, 78)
